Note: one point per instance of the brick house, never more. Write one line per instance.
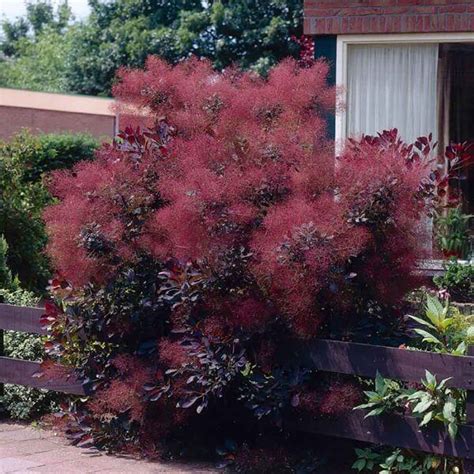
(49, 113)
(406, 64)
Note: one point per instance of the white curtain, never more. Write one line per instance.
(392, 86)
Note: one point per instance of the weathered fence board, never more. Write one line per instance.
(23, 372)
(401, 364)
(22, 319)
(393, 430)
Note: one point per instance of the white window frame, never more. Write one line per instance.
(344, 41)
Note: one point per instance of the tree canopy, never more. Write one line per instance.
(48, 50)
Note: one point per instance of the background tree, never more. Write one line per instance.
(251, 33)
(35, 48)
(23, 161)
(40, 15)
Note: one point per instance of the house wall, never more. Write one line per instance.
(53, 113)
(337, 17)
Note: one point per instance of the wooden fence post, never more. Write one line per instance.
(469, 464)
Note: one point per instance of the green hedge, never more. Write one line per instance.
(23, 162)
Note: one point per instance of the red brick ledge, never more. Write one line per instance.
(323, 17)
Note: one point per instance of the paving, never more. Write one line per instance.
(27, 449)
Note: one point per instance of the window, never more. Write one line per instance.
(392, 86)
(418, 83)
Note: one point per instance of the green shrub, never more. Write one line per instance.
(39, 154)
(457, 280)
(386, 460)
(24, 402)
(6, 278)
(23, 196)
(453, 233)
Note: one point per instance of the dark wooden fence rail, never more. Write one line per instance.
(23, 372)
(401, 364)
(325, 355)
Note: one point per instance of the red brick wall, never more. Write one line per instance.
(13, 119)
(333, 17)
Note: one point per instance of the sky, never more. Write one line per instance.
(13, 8)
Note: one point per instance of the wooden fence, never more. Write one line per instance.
(325, 355)
(24, 372)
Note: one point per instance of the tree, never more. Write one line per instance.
(40, 64)
(35, 48)
(39, 16)
(253, 34)
(125, 32)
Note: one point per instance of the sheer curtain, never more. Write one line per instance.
(392, 86)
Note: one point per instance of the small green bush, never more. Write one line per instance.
(6, 278)
(23, 161)
(20, 402)
(457, 280)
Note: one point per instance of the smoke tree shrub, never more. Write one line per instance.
(215, 232)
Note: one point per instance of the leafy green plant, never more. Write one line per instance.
(23, 161)
(6, 278)
(385, 398)
(387, 460)
(437, 402)
(457, 280)
(453, 233)
(443, 329)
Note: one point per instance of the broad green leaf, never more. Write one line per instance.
(427, 418)
(434, 310)
(422, 321)
(452, 430)
(359, 465)
(375, 412)
(427, 337)
(423, 406)
(461, 349)
(443, 383)
(449, 409)
(364, 406)
(430, 378)
(379, 382)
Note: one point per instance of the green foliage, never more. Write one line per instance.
(48, 53)
(385, 398)
(23, 196)
(443, 329)
(40, 63)
(457, 280)
(6, 278)
(255, 34)
(453, 233)
(34, 155)
(124, 33)
(435, 402)
(388, 460)
(13, 32)
(24, 402)
(40, 15)
(35, 48)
